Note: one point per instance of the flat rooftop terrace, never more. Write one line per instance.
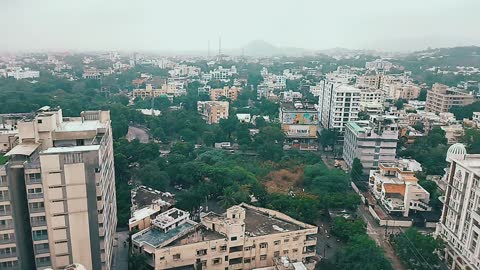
(155, 237)
(258, 224)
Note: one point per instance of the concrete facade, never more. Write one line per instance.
(441, 98)
(60, 193)
(372, 141)
(245, 237)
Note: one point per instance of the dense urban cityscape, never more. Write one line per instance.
(262, 158)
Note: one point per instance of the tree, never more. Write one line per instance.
(399, 103)
(137, 261)
(346, 229)
(418, 251)
(357, 170)
(472, 141)
(361, 252)
(328, 137)
(423, 95)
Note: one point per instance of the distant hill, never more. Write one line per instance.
(455, 56)
(260, 48)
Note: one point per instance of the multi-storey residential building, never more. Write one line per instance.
(227, 92)
(57, 203)
(371, 141)
(459, 225)
(453, 133)
(245, 237)
(370, 81)
(441, 98)
(8, 137)
(185, 71)
(403, 91)
(23, 74)
(213, 111)
(398, 190)
(300, 123)
(337, 105)
(371, 101)
(379, 65)
(170, 90)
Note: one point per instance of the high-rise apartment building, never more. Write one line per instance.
(441, 98)
(372, 141)
(459, 225)
(338, 104)
(227, 92)
(57, 193)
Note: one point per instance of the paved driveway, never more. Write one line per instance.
(121, 251)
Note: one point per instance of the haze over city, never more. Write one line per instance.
(181, 26)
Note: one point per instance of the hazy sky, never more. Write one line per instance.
(182, 25)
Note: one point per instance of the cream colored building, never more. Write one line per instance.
(57, 202)
(398, 190)
(245, 237)
(406, 91)
(227, 92)
(441, 98)
(459, 225)
(169, 90)
(8, 137)
(213, 111)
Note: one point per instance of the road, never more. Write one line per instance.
(120, 260)
(137, 133)
(377, 233)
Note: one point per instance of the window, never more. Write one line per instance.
(276, 243)
(4, 209)
(234, 238)
(248, 248)
(285, 252)
(263, 257)
(39, 121)
(223, 248)
(162, 258)
(263, 245)
(286, 240)
(3, 180)
(217, 261)
(201, 252)
(276, 254)
(294, 250)
(176, 256)
(213, 248)
(247, 260)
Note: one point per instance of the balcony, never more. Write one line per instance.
(37, 210)
(8, 241)
(35, 195)
(40, 237)
(5, 198)
(38, 223)
(8, 226)
(42, 250)
(8, 255)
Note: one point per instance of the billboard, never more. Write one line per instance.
(302, 118)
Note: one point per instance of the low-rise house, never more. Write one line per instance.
(397, 190)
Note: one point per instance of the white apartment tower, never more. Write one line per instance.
(372, 141)
(459, 225)
(57, 193)
(338, 104)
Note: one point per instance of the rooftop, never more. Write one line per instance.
(298, 106)
(83, 148)
(141, 214)
(155, 237)
(258, 223)
(71, 126)
(199, 234)
(144, 196)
